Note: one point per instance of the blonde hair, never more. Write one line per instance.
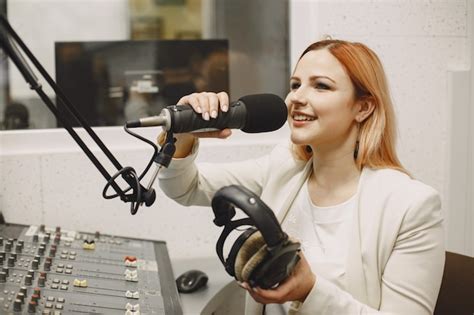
(377, 132)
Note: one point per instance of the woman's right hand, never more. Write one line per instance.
(208, 105)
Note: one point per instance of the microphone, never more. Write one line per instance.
(252, 114)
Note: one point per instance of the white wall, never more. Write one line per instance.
(46, 179)
(420, 43)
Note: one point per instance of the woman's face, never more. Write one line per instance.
(320, 103)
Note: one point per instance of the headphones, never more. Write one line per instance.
(262, 255)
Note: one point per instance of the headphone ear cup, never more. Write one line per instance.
(276, 266)
(248, 256)
(254, 262)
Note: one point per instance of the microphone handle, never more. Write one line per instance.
(185, 119)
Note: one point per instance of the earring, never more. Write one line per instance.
(356, 150)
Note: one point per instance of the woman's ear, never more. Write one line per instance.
(365, 106)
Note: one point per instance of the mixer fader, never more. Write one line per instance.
(53, 271)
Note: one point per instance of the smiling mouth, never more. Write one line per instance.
(300, 117)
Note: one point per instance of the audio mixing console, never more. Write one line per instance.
(53, 271)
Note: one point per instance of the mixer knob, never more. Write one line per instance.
(21, 296)
(38, 258)
(3, 277)
(80, 283)
(6, 270)
(32, 307)
(88, 244)
(47, 265)
(11, 262)
(28, 280)
(8, 246)
(35, 264)
(132, 295)
(17, 305)
(131, 261)
(37, 291)
(23, 290)
(41, 281)
(31, 273)
(35, 238)
(132, 307)
(18, 248)
(52, 252)
(35, 298)
(43, 274)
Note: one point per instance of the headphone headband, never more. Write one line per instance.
(262, 216)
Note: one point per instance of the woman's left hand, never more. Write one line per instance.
(295, 288)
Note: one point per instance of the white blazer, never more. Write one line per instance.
(396, 253)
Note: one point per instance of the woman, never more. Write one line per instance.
(372, 237)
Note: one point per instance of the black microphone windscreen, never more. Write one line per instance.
(265, 112)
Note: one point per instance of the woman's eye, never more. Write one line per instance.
(322, 86)
(294, 85)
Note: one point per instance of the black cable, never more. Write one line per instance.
(128, 172)
(155, 150)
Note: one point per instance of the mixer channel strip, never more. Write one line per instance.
(54, 272)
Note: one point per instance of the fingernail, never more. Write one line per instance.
(225, 108)
(198, 109)
(214, 114)
(205, 116)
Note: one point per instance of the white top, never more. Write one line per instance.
(324, 234)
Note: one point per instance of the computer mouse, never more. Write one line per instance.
(191, 281)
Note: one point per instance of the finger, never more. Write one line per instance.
(224, 133)
(244, 285)
(192, 100)
(204, 104)
(254, 295)
(213, 104)
(223, 101)
(183, 100)
(277, 295)
(259, 298)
